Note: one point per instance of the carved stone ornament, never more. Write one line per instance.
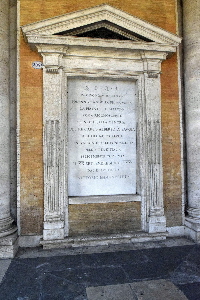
(75, 20)
(138, 59)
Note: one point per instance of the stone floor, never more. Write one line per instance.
(144, 271)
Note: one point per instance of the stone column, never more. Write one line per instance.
(191, 34)
(7, 239)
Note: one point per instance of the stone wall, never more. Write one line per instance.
(172, 176)
(161, 13)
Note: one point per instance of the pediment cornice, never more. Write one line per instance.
(118, 18)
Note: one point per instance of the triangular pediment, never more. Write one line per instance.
(102, 21)
(104, 30)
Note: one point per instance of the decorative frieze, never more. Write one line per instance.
(152, 75)
(53, 70)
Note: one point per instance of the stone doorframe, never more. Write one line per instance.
(140, 61)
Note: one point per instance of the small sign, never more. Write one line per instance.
(37, 65)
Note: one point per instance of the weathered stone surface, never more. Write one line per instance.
(191, 23)
(102, 137)
(157, 289)
(32, 90)
(144, 290)
(111, 292)
(58, 274)
(13, 106)
(59, 63)
(7, 244)
(171, 146)
(4, 264)
(4, 114)
(104, 218)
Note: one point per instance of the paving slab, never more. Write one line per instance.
(191, 290)
(157, 290)
(4, 264)
(144, 290)
(189, 270)
(111, 292)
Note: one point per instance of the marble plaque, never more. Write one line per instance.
(101, 137)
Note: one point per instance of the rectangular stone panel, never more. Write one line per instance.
(104, 218)
(101, 137)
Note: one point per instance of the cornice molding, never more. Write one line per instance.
(50, 41)
(75, 20)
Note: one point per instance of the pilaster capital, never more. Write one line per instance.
(152, 62)
(52, 57)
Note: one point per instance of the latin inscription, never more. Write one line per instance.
(101, 137)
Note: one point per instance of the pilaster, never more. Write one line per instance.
(53, 143)
(154, 190)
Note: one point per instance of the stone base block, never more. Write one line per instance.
(28, 241)
(8, 246)
(192, 228)
(53, 230)
(176, 231)
(157, 224)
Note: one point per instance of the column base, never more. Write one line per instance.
(192, 228)
(7, 227)
(8, 246)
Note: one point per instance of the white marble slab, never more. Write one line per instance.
(102, 137)
(142, 290)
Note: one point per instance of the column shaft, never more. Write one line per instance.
(191, 26)
(6, 222)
